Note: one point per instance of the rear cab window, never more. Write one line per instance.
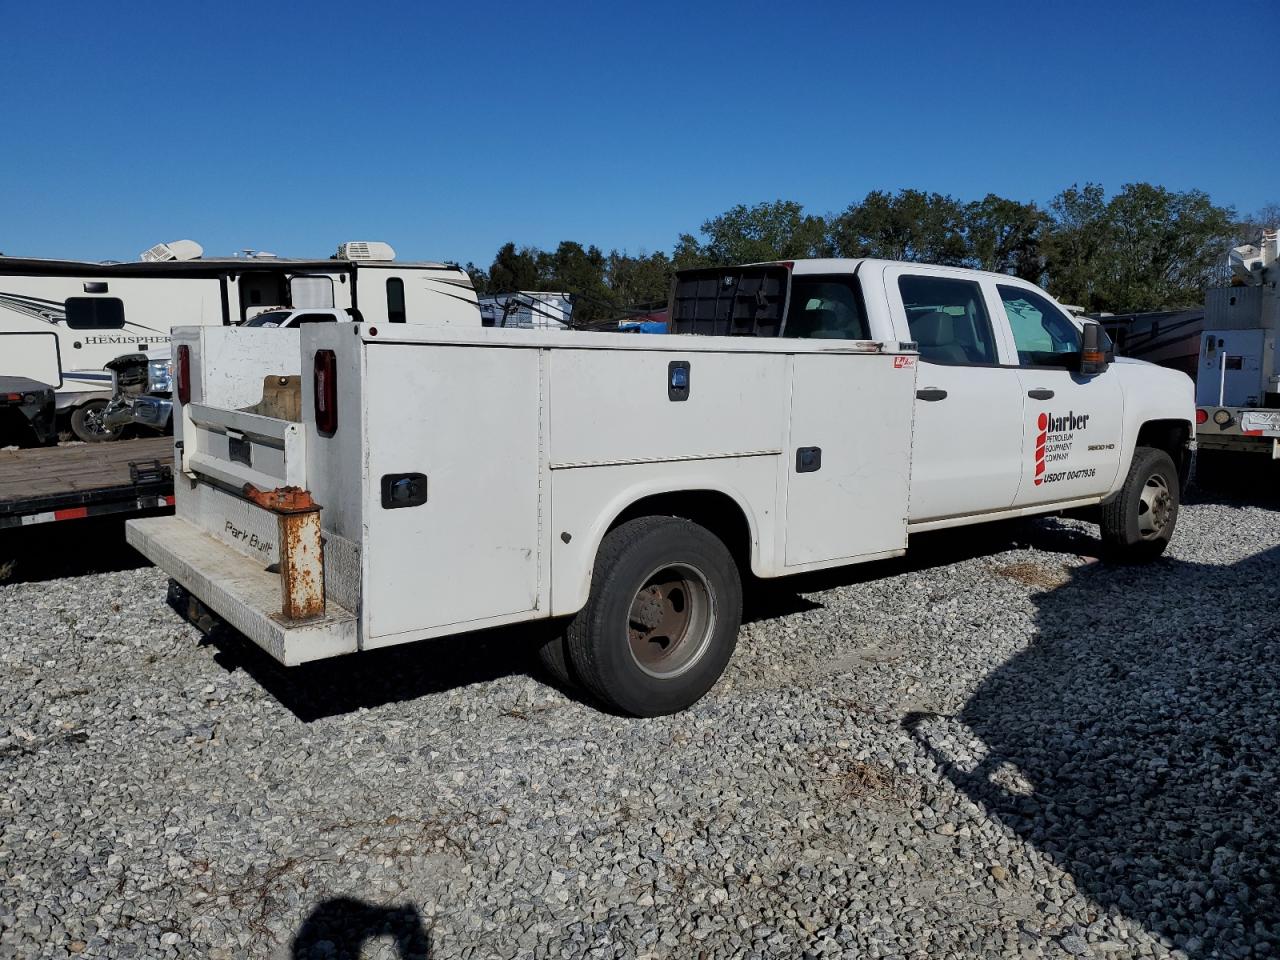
(826, 308)
(948, 319)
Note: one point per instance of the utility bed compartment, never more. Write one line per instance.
(468, 476)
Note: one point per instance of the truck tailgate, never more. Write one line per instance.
(234, 448)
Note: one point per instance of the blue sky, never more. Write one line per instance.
(450, 129)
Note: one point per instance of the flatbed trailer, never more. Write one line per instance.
(71, 482)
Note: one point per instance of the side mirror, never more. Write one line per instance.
(1093, 350)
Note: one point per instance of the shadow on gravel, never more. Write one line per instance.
(1238, 479)
(768, 599)
(338, 929)
(372, 678)
(66, 548)
(1135, 744)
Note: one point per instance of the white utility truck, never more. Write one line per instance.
(438, 481)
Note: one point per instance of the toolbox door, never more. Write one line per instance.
(850, 456)
(453, 496)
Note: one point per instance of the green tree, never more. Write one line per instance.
(1147, 248)
(579, 271)
(1079, 237)
(1005, 236)
(638, 281)
(779, 230)
(514, 269)
(908, 225)
(479, 278)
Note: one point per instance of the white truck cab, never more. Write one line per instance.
(802, 415)
(287, 318)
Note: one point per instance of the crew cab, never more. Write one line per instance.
(800, 416)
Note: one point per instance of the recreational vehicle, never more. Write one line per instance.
(98, 311)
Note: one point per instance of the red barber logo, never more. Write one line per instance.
(1043, 424)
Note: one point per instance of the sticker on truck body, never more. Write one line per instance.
(1054, 440)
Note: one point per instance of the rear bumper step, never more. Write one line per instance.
(241, 591)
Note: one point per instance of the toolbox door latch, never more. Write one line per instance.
(403, 490)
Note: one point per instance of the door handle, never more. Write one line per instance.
(931, 394)
(1040, 394)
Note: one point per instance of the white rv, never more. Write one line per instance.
(62, 321)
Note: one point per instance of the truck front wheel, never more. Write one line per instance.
(662, 619)
(1138, 524)
(87, 425)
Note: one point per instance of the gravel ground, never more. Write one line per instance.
(998, 748)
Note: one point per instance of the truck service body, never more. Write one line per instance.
(445, 480)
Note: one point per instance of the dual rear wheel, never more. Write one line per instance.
(661, 621)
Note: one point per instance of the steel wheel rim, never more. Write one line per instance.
(670, 621)
(1155, 506)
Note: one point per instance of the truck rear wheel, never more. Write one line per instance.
(662, 619)
(1138, 524)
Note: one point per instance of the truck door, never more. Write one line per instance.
(1071, 424)
(967, 446)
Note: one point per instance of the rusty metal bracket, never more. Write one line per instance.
(301, 549)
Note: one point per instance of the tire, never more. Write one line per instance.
(553, 657)
(86, 423)
(656, 579)
(1138, 524)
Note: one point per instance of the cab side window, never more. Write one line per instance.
(1042, 333)
(948, 320)
(826, 308)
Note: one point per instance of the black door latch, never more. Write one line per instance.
(403, 490)
(808, 459)
(678, 380)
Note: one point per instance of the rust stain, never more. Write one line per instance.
(301, 565)
(281, 499)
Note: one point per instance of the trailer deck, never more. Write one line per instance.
(71, 482)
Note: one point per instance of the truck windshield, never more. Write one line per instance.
(272, 318)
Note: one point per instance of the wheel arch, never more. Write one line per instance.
(1171, 436)
(721, 509)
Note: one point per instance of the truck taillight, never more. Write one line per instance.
(1202, 415)
(184, 375)
(326, 387)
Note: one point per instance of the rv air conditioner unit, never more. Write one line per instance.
(365, 250)
(173, 250)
